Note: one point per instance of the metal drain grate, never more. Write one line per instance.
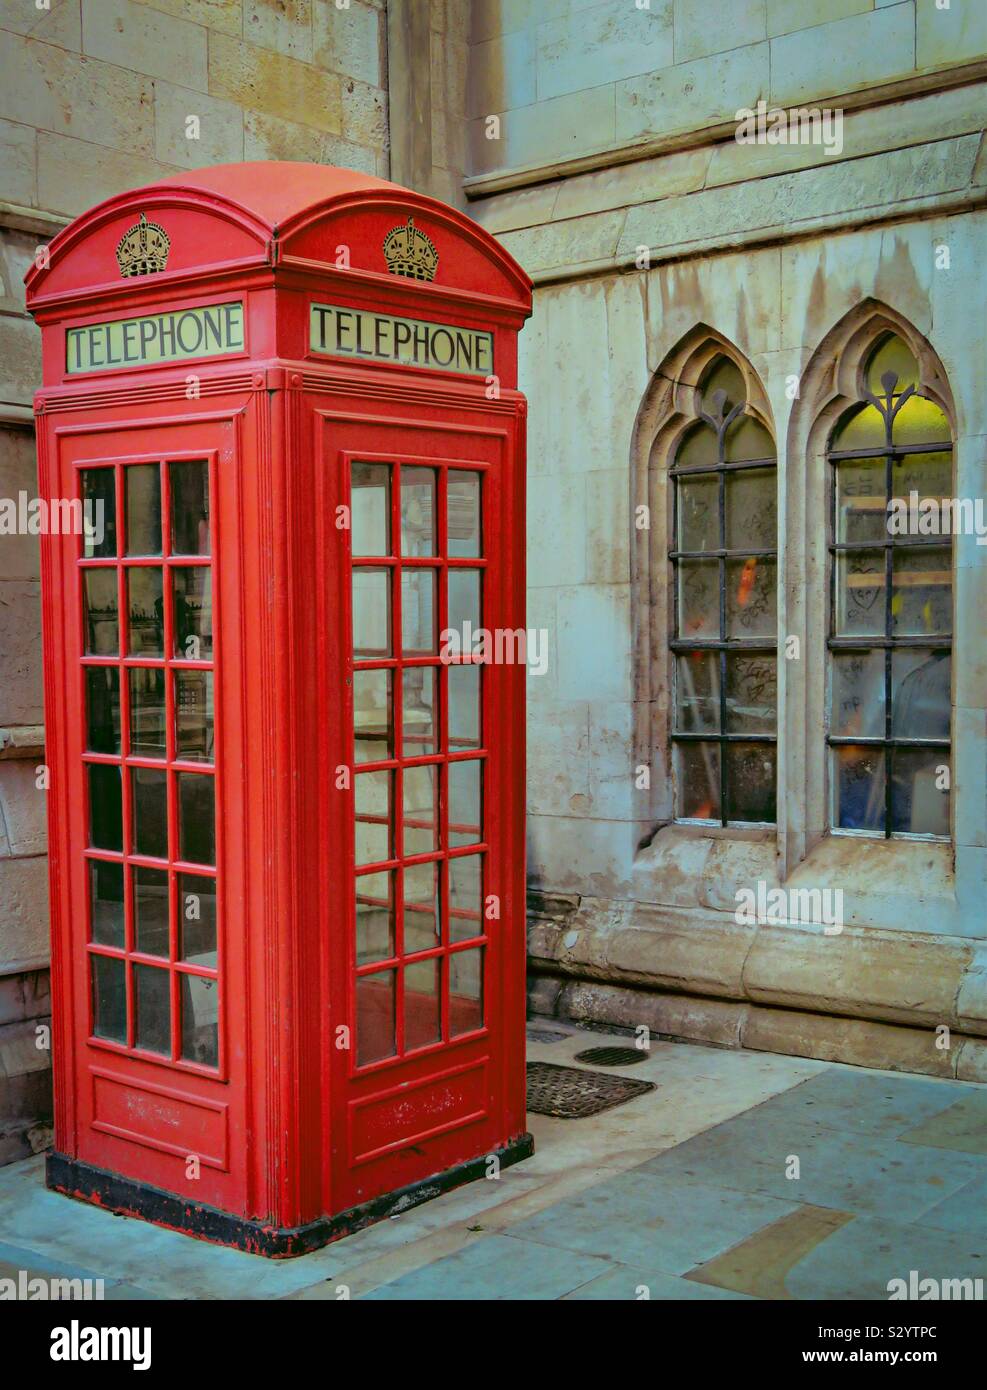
(545, 1035)
(611, 1056)
(571, 1094)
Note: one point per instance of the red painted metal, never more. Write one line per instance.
(272, 1142)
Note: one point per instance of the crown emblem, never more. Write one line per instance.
(408, 251)
(144, 249)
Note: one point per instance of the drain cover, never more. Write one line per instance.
(611, 1056)
(571, 1094)
(545, 1035)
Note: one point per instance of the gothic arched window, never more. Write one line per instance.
(890, 605)
(724, 563)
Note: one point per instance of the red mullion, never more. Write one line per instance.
(379, 967)
(397, 718)
(442, 693)
(168, 644)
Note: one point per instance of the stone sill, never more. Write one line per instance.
(22, 741)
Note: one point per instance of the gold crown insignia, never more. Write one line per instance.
(144, 249)
(408, 251)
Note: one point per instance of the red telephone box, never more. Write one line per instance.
(286, 808)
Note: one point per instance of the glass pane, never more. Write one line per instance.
(748, 439)
(196, 818)
(698, 446)
(464, 707)
(374, 917)
(752, 693)
(194, 716)
(371, 613)
(892, 354)
(420, 727)
(422, 1022)
(421, 809)
(699, 513)
(920, 421)
(418, 511)
(105, 807)
(192, 590)
(751, 507)
(200, 1020)
(145, 605)
(859, 593)
(373, 720)
(697, 688)
(371, 509)
(921, 590)
(418, 612)
(375, 1032)
(147, 711)
(860, 428)
(861, 508)
(465, 991)
(151, 933)
(99, 513)
(374, 834)
(197, 919)
(189, 507)
(465, 820)
(858, 788)
(752, 598)
(152, 996)
(103, 709)
(102, 617)
(106, 903)
(421, 907)
(920, 779)
(149, 789)
(109, 998)
(699, 598)
(723, 376)
(463, 520)
(143, 488)
(698, 777)
(920, 684)
(928, 476)
(857, 706)
(464, 605)
(465, 897)
(750, 781)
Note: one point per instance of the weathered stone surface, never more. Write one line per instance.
(59, 24)
(282, 25)
(698, 32)
(24, 997)
(23, 910)
(669, 951)
(19, 555)
(613, 38)
(22, 807)
(278, 86)
(954, 35)
(17, 153)
(269, 137)
(364, 111)
(670, 870)
(20, 626)
(220, 138)
(690, 95)
(971, 1060)
(225, 16)
(714, 1021)
(785, 16)
(502, 74)
(848, 1040)
(349, 41)
(559, 128)
(139, 39)
(558, 759)
(829, 59)
(73, 174)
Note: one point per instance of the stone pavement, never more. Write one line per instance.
(683, 1193)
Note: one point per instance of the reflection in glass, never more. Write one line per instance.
(698, 692)
(750, 781)
(698, 775)
(752, 692)
(861, 506)
(371, 613)
(699, 514)
(698, 446)
(421, 809)
(418, 612)
(699, 598)
(920, 684)
(109, 996)
(194, 716)
(464, 707)
(465, 779)
(145, 607)
(920, 779)
(152, 991)
(374, 832)
(143, 490)
(106, 903)
(371, 509)
(857, 701)
(465, 991)
(858, 788)
(420, 727)
(192, 597)
(373, 721)
(421, 907)
(197, 919)
(200, 1020)
(746, 439)
(374, 917)
(102, 616)
(189, 483)
(149, 790)
(422, 1023)
(418, 511)
(463, 508)
(99, 513)
(859, 593)
(102, 709)
(751, 597)
(751, 508)
(147, 711)
(105, 807)
(465, 897)
(921, 590)
(928, 475)
(375, 1029)
(196, 818)
(151, 915)
(464, 605)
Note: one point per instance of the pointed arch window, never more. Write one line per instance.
(724, 560)
(890, 635)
